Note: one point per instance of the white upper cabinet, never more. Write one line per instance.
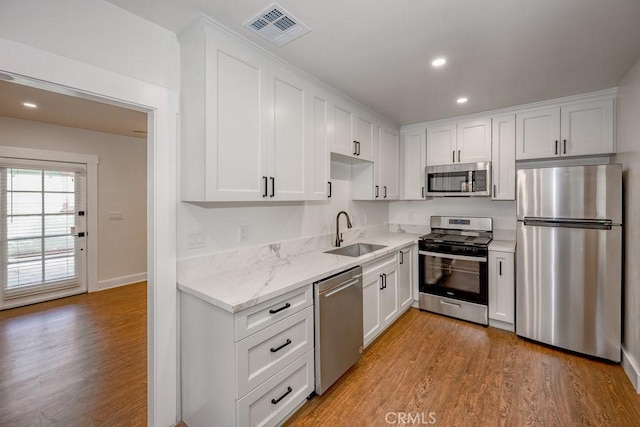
(441, 144)
(319, 165)
(503, 166)
(389, 160)
(289, 94)
(364, 137)
(343, 134)
(415, 160)
(463, 142)
(474, 141)
(224, 118)
(587, 128)
(579, 129)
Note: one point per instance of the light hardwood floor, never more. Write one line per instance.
(433, 368)
(77, 361)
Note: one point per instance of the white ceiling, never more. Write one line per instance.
(500, 52)
(64, 110)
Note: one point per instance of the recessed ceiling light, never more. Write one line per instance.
(462, 100)
(29, 105)
(438, 62)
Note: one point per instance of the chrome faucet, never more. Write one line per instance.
(338, 234)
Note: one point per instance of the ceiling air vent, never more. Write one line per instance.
(277, 25)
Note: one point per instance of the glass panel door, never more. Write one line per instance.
(43, 229)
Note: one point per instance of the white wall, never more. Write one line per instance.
(97, 33)
(122, 178)
(502, 212)
(628, 149)
(275, 222)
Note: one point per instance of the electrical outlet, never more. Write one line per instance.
(115, 216)
(411, 217)
(244, 233)
(195, 239)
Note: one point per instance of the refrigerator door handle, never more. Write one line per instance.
(595, 224)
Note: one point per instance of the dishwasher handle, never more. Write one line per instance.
(327, 293)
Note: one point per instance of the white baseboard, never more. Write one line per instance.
(121, 281)
(630, 367)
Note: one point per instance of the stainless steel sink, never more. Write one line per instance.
(355, 250)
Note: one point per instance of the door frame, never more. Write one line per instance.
(161, 104)
(91, 162)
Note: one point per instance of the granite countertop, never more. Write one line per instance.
(244, 287)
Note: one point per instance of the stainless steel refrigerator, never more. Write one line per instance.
(569, 258)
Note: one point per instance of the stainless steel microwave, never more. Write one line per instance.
(461, 179)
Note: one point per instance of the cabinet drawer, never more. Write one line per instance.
(264, 353)
(288, 388)
(378, 265)
(269, 312)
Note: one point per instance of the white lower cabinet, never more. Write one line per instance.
(386, 291)
(250, 368)
(501, 290)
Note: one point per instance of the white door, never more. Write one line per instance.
(389, 158)
(503, 157)
(342, 142)
(501, 287)
(389, 295)
(587, 128)
(43, 231)
(371, 324)
(289, 95)
(538, 134)
(415, 161)
(364, 137)
(474, 141)
(441, 145)
(405, 278)
(319, 165)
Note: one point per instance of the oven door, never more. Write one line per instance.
(456, 276)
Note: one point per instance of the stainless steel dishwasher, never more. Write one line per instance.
(338, 325)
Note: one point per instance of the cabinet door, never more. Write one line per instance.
(371, 323)
(389, 158)
(441, 145)
(343, 135)
(318, 161)
(538, 134)
(405, 277)
(503, 157)
(474, 141)
(501, 287)
(415, 161)
(364, 137)
(389, 295)
(236, 120)
(289, 95)
(587, 128)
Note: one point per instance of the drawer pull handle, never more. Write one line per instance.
(276, 401)
(274, 350)
(284, 307)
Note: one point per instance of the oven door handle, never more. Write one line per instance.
(449, 256)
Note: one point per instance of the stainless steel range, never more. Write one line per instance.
(454, 277)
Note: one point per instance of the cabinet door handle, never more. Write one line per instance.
(500, 268)
(266, 186)
(377, 191)
(564, 146)
(355, 148)
(276, 401)
(275, 350)
(385, 191)
(494, 190)
(385, 280)
(278, 310)
(453, 158)
(329, 182)
(458, 156)
(401, 257)
(273, 187)
(423, 192)
(381, 282)
(358, 145)
(556, 147)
